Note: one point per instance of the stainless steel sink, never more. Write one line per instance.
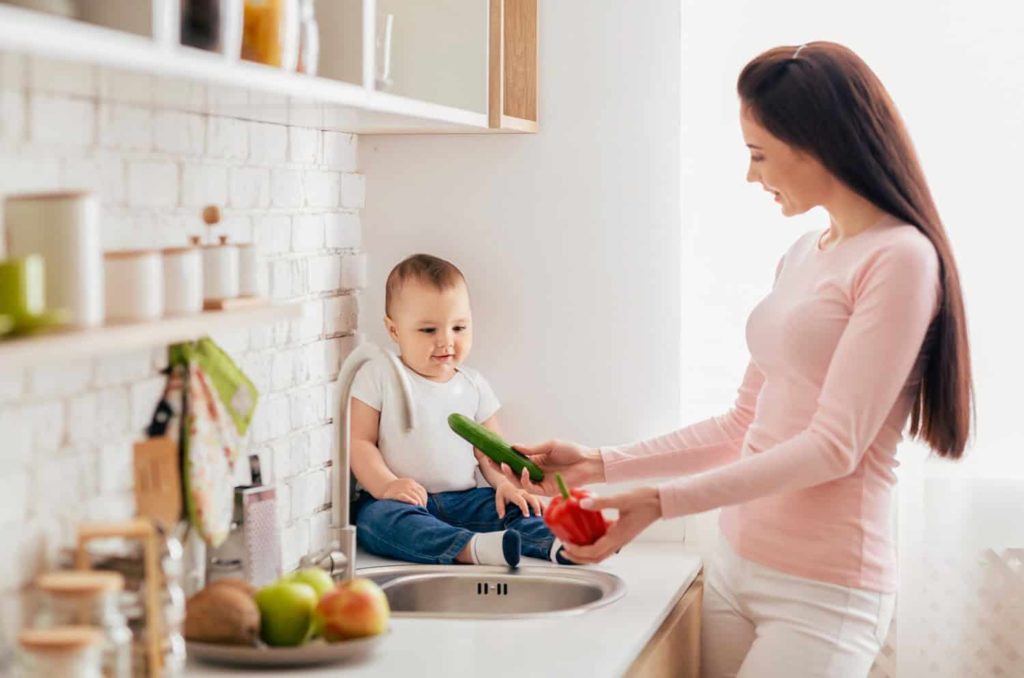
(476, 592)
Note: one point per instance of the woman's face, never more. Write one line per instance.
(796, 179)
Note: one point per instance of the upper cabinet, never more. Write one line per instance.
(433, 51)
(384, 67)
(513, 28)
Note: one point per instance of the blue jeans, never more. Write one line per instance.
(437, 533)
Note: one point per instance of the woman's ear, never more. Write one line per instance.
(392, 329)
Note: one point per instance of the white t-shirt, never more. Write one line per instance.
(431, 454)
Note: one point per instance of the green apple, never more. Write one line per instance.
(315, 577)
(286, 612)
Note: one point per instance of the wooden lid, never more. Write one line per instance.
(129, 254)
(180, 250)
(49, 195)
(60, 638)
(80, 582)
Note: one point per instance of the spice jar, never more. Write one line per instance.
(71, 598)
(270, 33)
(66, 651)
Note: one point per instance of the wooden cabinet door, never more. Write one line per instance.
(512, 79)
(674, 650)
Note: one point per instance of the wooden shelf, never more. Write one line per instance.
(347, 107)
(69, 345)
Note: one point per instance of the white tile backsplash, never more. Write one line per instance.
(157, 151)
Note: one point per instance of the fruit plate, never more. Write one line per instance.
(312, 653)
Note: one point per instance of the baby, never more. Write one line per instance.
(424, 496)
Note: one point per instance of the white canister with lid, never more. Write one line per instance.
(183, 280)
(220, 271)
(64, 228)
(248, 279)
(135, 285)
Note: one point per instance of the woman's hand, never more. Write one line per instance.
(508, 492)
(578, 465)
(405, 490)
(637, 510)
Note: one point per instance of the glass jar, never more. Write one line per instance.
(270, 33)
(66, 651)
(93, 599)
(200, 24)
(309, 38)
(214, 25)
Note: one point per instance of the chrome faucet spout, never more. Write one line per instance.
(343, 532)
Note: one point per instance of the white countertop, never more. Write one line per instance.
(602, 642)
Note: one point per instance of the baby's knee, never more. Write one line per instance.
(384, 509)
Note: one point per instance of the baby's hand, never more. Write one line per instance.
(508, 493)
(406, 490)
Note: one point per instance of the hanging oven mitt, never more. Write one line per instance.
(208, 451)
(238, 394)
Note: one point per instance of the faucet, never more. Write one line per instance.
(339, 559)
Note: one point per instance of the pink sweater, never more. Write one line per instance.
(804, 461)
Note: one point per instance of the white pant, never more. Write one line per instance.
(762, 623)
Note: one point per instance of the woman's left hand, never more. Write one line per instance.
(637, 510)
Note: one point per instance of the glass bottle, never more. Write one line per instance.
(270, 33)
(200, 23)
(309, 38)
(92, 599)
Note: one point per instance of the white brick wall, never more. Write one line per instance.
(156, 152)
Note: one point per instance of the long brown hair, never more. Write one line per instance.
(823, 99)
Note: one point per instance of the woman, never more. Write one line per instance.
(863, 328)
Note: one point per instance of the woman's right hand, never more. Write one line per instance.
(405, 490)
(578, 465)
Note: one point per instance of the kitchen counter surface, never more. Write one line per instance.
(603, 642)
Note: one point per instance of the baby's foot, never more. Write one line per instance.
(497, 548)
(558, 554)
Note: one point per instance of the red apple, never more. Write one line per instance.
(354, 609)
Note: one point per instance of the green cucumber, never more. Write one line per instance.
(491, 444)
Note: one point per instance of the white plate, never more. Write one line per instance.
(315, 652)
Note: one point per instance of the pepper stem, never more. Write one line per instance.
(561, 486)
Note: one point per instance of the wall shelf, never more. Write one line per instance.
(347, 107)
(68, 345)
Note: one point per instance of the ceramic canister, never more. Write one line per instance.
(135, 285)
(64, 229)
(220, 271)
(183, 280)
(248, 282)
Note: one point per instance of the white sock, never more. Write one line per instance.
(496, 548)
(555, 548)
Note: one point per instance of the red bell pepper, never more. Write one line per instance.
(569, 521)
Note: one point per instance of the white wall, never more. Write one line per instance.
(569, 238)
(156, 151)
(956, 71)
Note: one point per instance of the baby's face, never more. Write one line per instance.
(433, 328)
